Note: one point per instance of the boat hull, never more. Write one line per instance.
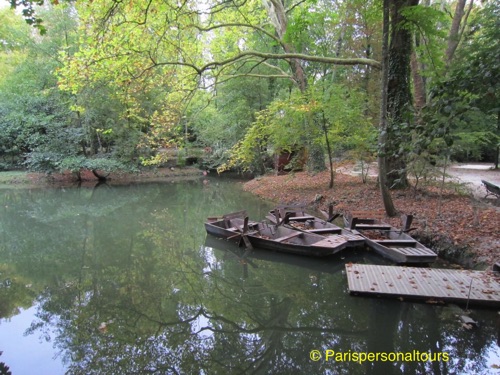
(281, 239)
(299, 220)
(390, 242)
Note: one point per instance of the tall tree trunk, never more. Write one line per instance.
(277, 14)
(399, 97)
(382, 141)
(418, 84)
(456, 28)
(497, 150)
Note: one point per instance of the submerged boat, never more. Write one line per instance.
(267, 236)
(392, 243)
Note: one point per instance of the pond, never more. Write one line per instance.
(124, 280)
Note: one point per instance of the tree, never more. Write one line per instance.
(458, 26)
(399, 96)
(29, 11)
(186, 46)
(471, 85)
(34, 110)
(383, 137)
(118, 39)
(39, 129)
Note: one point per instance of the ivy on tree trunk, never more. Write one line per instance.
(382, 141)
(399, 96)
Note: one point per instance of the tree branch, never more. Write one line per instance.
(295, 6)
(286, 56)
(236, 24)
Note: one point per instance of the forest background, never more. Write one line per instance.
(110, 85)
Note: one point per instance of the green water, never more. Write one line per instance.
(124, 280)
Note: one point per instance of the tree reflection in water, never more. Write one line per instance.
(129, 283)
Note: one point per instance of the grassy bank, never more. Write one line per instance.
(12, 178)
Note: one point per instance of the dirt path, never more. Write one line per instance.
(469, 174)
(472, 174)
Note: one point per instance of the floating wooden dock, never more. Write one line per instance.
(432, 285)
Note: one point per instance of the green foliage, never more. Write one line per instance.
(279, 127)
(471, 146)
(130, 73)
(478, 62)
(344, 109)
(463, 109)
(430, 27)
(53, 162)
(220, 121)
(287, 125)
(13, 32)
(38, 128)
(299, 28)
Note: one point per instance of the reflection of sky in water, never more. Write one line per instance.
(201, 327)
(210, 259)
(493, 357)
(27, 355)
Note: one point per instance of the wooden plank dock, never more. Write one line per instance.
(432, 285)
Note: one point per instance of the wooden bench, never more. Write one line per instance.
(491, 189)
(324, 230)
(377, 214)
(301, 218)
(396, 242)
(289, 236)
(371, 226)
(357, 219)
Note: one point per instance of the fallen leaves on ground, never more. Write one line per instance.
(466, 222)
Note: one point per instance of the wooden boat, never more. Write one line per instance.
(297, 219)
(271, 237)
(392, 243)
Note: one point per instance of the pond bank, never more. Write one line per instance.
(459, 228)
(25, 179)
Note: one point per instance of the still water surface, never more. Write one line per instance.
(124, 280)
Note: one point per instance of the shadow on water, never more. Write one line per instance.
(123, 279)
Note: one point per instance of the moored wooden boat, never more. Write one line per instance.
(297, 219)
(276, 238)
(392, 243)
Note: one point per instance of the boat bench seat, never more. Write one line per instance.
(396, 242)
(372, 226)
(288, 236)
(237, 233)
(325, 230)
(251, 225)
(301, 218)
